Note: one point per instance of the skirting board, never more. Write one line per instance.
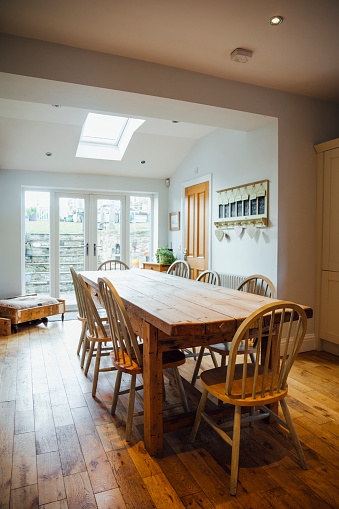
(308, 344)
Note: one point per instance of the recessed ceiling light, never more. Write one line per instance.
(48, 154)
(56, 105)
(142, 162)
(275, 20)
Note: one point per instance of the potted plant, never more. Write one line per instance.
(164, 255)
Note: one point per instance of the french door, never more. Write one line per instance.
(89, 229)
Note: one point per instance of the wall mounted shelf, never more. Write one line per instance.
(243, 205)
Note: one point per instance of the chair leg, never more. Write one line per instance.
(223, 360)
(82, 335)
(181, 389)
(201, 407)
(235, 450)
(89, 358)
(130, 409)
(96, 370)
(197, 366)
(251, 413)
(116, 392)
(252, 357)
(214, 359)
(194, 351)
(293, 433)
(84, 350)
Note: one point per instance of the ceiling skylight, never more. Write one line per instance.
(106, 136)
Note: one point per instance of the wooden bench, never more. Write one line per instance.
(10, 315)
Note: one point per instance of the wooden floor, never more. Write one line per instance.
(60, 448)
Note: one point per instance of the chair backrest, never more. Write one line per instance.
(263, 322)
(95, 326)
(180, 268)
(209, 276)
(122, 333)
(113, 265)
(78, 293)
(259, 285)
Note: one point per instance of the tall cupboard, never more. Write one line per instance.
(327, 306)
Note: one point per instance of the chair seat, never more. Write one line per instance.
(214, 381)
(101, 338)
(224, 348)
(129, 365)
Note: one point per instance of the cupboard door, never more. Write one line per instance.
(329, 322)
(330, 255)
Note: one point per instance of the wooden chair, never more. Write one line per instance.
(127, 353)
(209, 276)
(260, 285)
(180, 268)
(257, 284)
(113, 265)
(96, 335)
(255, 385)
(81, 313)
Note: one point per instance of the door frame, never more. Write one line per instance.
(184, 185)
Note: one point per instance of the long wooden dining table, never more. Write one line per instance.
(170, 312)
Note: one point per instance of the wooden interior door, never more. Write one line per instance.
(197, 227)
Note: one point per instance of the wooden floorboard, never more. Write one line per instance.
(61, 449)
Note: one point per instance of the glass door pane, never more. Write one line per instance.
(140, 231)
(73, 247)
(37, 243)
(108, 234)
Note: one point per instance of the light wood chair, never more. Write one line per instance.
(255, 385)
(113, 265)
(81, 313)
(127, 353)
(257, 284)
(209, 276)
(96, 335)
(180, 268)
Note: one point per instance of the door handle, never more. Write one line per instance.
(185, 254)
(95, 249)
(86, 249)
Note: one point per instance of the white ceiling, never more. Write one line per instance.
(31, 126)
(300, 55)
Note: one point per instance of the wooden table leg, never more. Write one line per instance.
(152, 375)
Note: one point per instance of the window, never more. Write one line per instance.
(106, 136)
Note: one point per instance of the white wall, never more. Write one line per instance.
(11, 183)
(234, 158)
(303, 122)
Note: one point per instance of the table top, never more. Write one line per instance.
(179, 306)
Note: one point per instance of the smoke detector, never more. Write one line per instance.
(241, 55)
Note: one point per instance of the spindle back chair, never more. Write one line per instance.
(256, 385)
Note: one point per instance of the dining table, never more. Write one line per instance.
(169, 313)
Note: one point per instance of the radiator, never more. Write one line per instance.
(231, 280)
